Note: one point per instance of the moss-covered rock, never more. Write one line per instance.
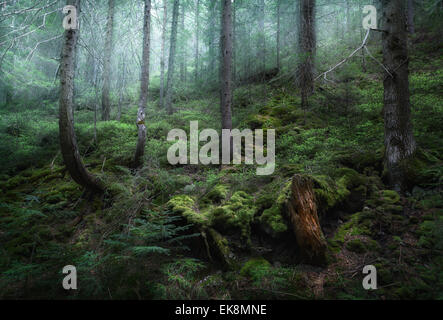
(235, 214)
(218, 193)
(185, 206)
(273, 219)
(255, 268)
(329, 193)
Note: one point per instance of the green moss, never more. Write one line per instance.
(356, 245)
(220, 246)
(218, 193)
(255, 268)
(329, 193)
(185, 206)
(264, 201)
(358, 224)
(416, 168)
(272, 219)
(236, 213)
(390, 196)
(258, 121)
(350, 178)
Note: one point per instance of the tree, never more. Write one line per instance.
(106, 103)
(226, 71)
(411, 26)
(68, 139)
(307, 49)
(183, 46)
(278, 33)
(212, 41)
(400, 144)
(171, 64)
(261, 39)
(162, 53)
(197, 40)
(144, 84)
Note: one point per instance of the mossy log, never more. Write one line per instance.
(302, 211)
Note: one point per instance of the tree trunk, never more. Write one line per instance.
(226, 72)
(304, 219)
(234, 44)
(278, 34)
(307, 44)
(399, 140)
(163, 54)
(169, 85)
(121, 88)
(262, 39)
(183, 47)
(68, 139)
(411, 25)
(212, 40)
(106, 103)
(144, 84)
(197, 23)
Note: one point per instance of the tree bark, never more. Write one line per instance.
(197, 39)
(226, 72)
(302, 211)
(278, 34)
(212, 40)
(183, 47)
(163, 54)
(68, 139)
(169, 85)
(261, 38)
(399, 140)
(106, 103)
(122, 82)
(411, 25)
(307, 45)
(144, 84)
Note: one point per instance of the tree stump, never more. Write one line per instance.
(302, 211)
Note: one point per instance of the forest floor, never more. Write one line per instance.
(199, 232)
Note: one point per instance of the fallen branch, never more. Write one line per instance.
(361, 47)
(324, 74)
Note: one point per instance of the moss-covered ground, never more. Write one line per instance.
(192, 232)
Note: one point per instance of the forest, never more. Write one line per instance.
(221, 149)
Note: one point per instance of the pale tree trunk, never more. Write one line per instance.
(106, 103)
(144, 84)
(183, 47)
(170, 84)
(399, 140)
(226, 68)
(68, 140)
(163, 54)
(197, 39)
(307, 44)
